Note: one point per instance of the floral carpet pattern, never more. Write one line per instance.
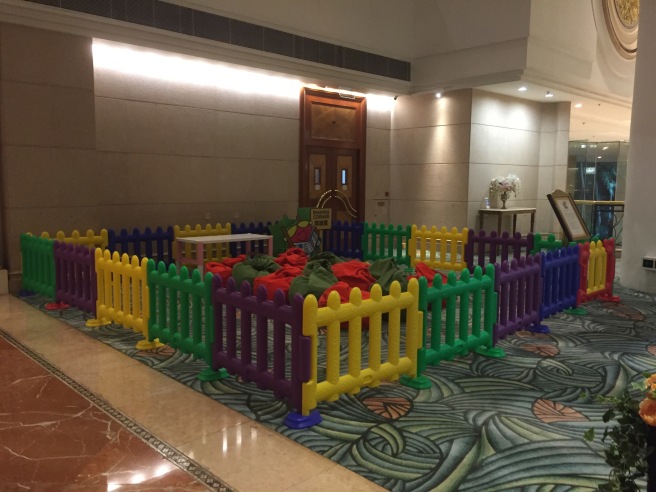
(509, 424)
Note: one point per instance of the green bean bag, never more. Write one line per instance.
(315, 281)
(386, 271)
(248, 270)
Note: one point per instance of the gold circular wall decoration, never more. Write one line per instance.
(622, 24)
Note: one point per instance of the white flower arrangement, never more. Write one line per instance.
(505, 185)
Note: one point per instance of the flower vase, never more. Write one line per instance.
(504, 198)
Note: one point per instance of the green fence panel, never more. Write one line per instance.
(548, 244)
(38, 264)
(181, 312)
(459, 316)
(386, 241)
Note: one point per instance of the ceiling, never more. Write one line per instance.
(595, 120)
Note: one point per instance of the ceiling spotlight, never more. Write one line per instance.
(522, 89)
(548, 94)
(438, 94)
(578, 105)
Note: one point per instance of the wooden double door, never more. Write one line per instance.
(332, 154)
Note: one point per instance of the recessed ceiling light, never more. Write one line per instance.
(598, 157)
(583, 146)
(522, 89)
(578, 105)
(604, 148)
(548, 94)
(438, 94)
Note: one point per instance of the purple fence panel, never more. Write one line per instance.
(141, 244)
(257, 246)
(560, 280)
(343, 239)
(518, 284)
(276, 324)
(75, 276)
(482, 249)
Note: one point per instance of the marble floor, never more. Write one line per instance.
(73, 419)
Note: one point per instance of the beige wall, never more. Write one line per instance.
(525, 138)
(90, 149)
(429, 157)
(639, 233)
(445, 152)
(47, 134)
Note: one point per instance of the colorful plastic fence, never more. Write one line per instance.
(38, 264)
(90, 238)
(482, 249)
(75, 276)
(518, 284)
(343, 239)
(548, 244)
(597, 270)
(181, 312)
(385, 241)
(156, 245)
(560, 280)
(122, 289)
(377, 368)
(215, 252)
(441, 248)
(465, 323)
(256, 246)
(251, 338)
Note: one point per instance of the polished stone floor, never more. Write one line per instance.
(77, 415)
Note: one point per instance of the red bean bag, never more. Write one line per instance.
(355, 273)
(293, 257)
(280, 279)
(423, 270)
(231, 262)
(220, 269)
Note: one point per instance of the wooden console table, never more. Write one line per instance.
(501, 212)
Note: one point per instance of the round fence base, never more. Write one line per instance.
(576, 311)
(54, 306)
(492, 352)
(420, 382)
(295, 420)
(210, 375)
(95, 323)
(539, 329)
(146, 345)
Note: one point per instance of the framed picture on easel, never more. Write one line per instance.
(569, 216)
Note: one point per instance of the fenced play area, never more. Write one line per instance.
(411, 297)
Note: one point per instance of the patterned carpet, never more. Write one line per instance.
(510, 424)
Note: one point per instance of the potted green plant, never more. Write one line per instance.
(631, 437)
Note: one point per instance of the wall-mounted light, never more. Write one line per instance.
(141, 62)
(548, 94)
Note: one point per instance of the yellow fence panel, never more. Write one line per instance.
(123, 296)
(89, 239)
(334, 315)
(597, 267)
(441, 249)
(213, 252)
